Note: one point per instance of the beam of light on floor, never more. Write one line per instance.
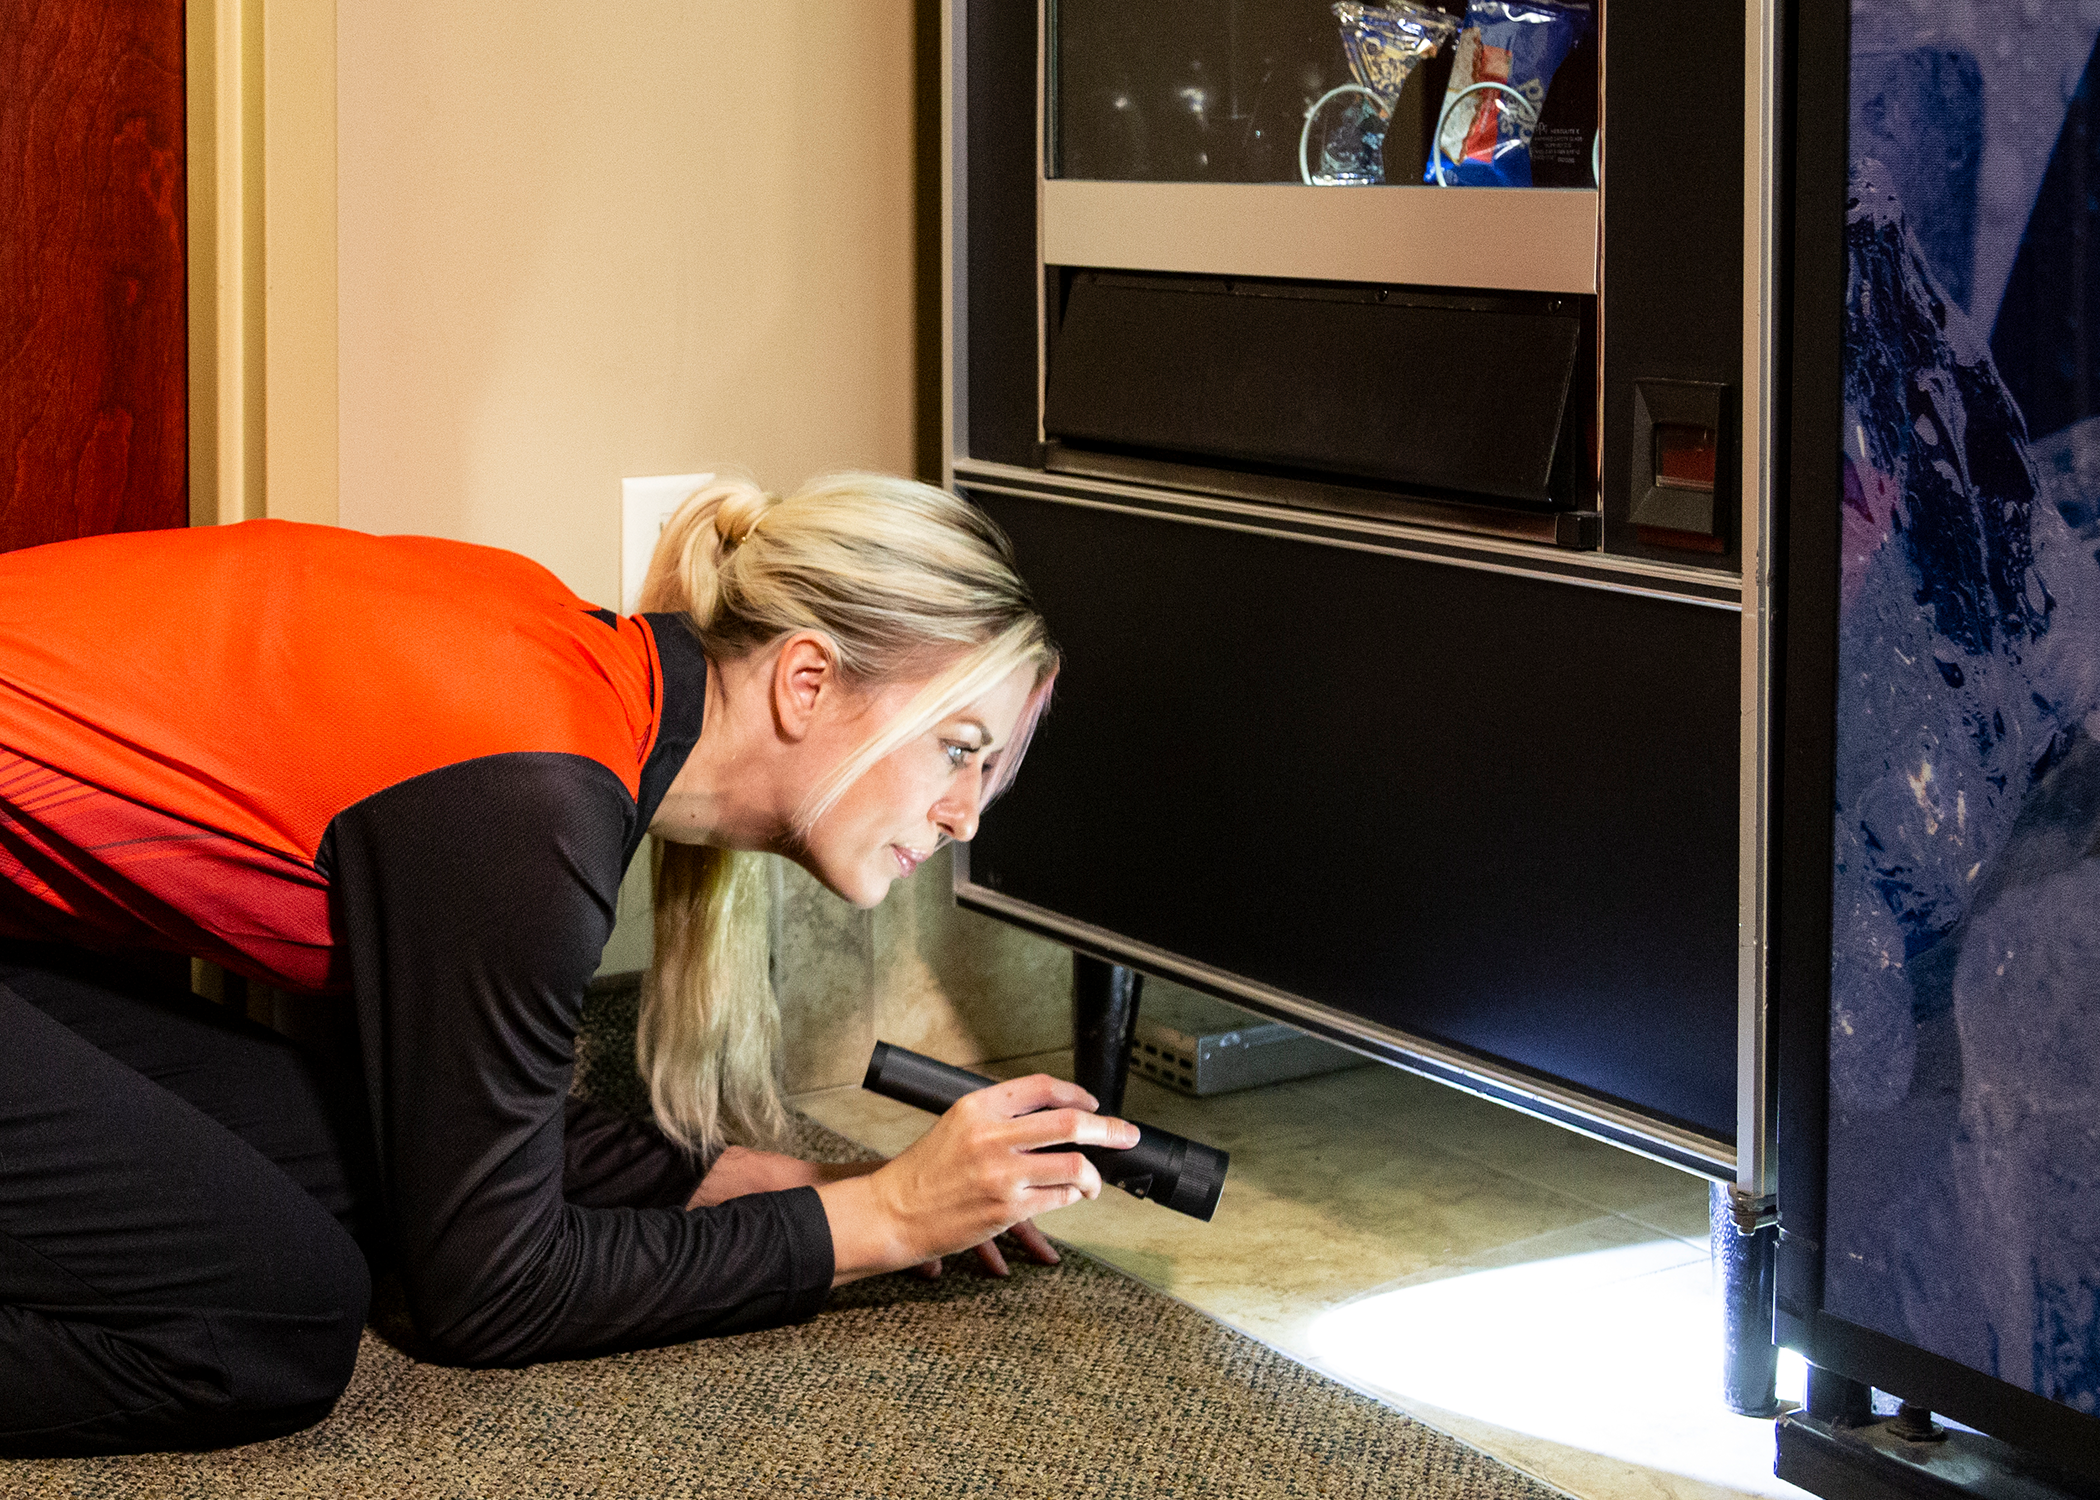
(1614, 1351)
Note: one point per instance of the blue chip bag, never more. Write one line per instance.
(1486, 136)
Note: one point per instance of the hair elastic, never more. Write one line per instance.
(736, 538)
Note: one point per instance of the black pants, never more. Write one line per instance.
(182, 1199)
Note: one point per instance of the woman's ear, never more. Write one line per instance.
(804, 676)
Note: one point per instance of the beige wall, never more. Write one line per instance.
(583, 242)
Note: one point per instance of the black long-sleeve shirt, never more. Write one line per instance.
(416, 770)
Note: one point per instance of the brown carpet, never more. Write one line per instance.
(1065, 1381)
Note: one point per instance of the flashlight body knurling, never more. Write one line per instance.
(1186, 1176)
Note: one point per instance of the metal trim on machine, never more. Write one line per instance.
(1042, 214)
(955, 281)
(1487, 553)
(1505, 239)
(1573, 530)
(1567, 1107)
(1756, 1123)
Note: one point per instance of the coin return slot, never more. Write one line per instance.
(1679, 490)
(1684, 456)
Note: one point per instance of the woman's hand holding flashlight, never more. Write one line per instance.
(977, 1173)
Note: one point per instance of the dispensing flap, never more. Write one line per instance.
(1450, 393)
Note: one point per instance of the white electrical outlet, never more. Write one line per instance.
(645, 505)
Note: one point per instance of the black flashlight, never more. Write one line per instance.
(1187, 1176)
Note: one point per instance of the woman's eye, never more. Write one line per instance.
(958, 755)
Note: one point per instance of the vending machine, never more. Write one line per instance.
(1363, 388)
(1577, 546)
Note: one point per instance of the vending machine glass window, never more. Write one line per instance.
(1498, 93)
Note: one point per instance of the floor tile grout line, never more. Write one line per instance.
(1454, 1269)
(1532, 1181)
(1499, 1170)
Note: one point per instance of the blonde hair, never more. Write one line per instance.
(903, 580)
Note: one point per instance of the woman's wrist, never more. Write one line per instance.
(867, 1236)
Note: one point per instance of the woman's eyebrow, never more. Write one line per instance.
(984, 735)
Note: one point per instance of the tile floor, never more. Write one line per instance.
(1539, 1295)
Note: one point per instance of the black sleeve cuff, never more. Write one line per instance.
(806, 1232)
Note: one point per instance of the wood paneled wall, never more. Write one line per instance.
(93, 348)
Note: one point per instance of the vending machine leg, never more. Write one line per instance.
(1104, 1013)
(1744, 1266)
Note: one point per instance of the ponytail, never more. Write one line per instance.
(708, 1037)
(709, 1032)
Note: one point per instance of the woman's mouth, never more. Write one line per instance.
(908, 859)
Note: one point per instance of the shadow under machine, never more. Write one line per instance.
(1387, 404)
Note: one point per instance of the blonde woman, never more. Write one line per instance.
(413, 771)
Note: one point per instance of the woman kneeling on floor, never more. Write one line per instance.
(414, 771)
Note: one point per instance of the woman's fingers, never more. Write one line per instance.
(1048, 1199)
(1055, 1171)
(1057, 1127)
(1020, 1096)
(1028, 1239)
(1034, 1242)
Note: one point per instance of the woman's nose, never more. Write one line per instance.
(958, 822)
(956, 814)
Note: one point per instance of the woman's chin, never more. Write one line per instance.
(864, 889)
(865, 894)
